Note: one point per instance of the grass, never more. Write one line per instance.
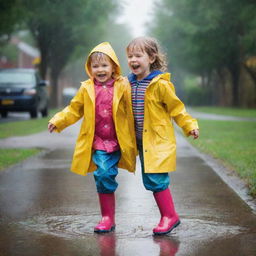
(9, 157)
(233, 143)
(23, 128)
(239, 112)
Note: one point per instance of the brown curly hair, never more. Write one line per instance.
(152, 48)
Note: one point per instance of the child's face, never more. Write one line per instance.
(139, 62)
(102, 69)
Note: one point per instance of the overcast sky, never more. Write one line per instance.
(136, 13)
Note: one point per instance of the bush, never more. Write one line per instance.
(194, 94)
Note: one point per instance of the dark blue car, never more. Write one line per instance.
(22, 90)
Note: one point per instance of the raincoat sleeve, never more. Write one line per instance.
(70, 114)
(176, 108)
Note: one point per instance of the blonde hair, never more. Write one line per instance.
(152, 48)
(99, 56)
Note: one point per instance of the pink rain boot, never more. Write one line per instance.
(107, 207)
(169, 218)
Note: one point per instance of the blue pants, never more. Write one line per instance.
(106, 171)
(154, 182)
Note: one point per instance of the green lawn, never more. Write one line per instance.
(240, 112)
(234, 143)
(12, 156)
(20, 128)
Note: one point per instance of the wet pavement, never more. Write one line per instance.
(47, 210)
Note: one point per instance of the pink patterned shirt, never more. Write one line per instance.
(105, 134)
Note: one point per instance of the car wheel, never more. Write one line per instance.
(4, 114)
(44, 112)
(33, 113)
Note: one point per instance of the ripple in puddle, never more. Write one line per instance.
(72, 226)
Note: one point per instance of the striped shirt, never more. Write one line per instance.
(138, 94)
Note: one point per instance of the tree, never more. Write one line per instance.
(206, 36)
(59, 26)
(10, 14)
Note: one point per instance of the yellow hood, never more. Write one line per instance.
(107, 49)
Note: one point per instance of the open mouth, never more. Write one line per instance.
(135, 66)
(101, 75)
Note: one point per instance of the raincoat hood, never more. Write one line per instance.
(107, 49)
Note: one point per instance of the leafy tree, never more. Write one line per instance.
(59, 26)
(10, 14)
(206, 36)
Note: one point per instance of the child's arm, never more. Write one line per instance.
(177, 111)
(69, 115)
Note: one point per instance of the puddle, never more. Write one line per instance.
(72, 226)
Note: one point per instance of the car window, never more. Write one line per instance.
(16, 79)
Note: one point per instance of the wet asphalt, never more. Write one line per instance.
(47, 210)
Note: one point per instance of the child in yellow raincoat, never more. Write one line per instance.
(107, 139)
(155, 104)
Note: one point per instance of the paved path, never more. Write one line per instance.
(47, 210)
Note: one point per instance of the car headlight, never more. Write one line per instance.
(29, 92)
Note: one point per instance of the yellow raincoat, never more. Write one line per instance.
(83, 105)
(159, 144)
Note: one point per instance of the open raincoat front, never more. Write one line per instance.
(83, 105)
(161, 108)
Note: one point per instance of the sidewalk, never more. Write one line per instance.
(47, 210)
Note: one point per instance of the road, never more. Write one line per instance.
(47, 210)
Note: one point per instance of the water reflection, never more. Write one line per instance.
(107, 244)
(168, 246)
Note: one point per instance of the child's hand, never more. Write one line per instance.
(51, 127)
(194, 133)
